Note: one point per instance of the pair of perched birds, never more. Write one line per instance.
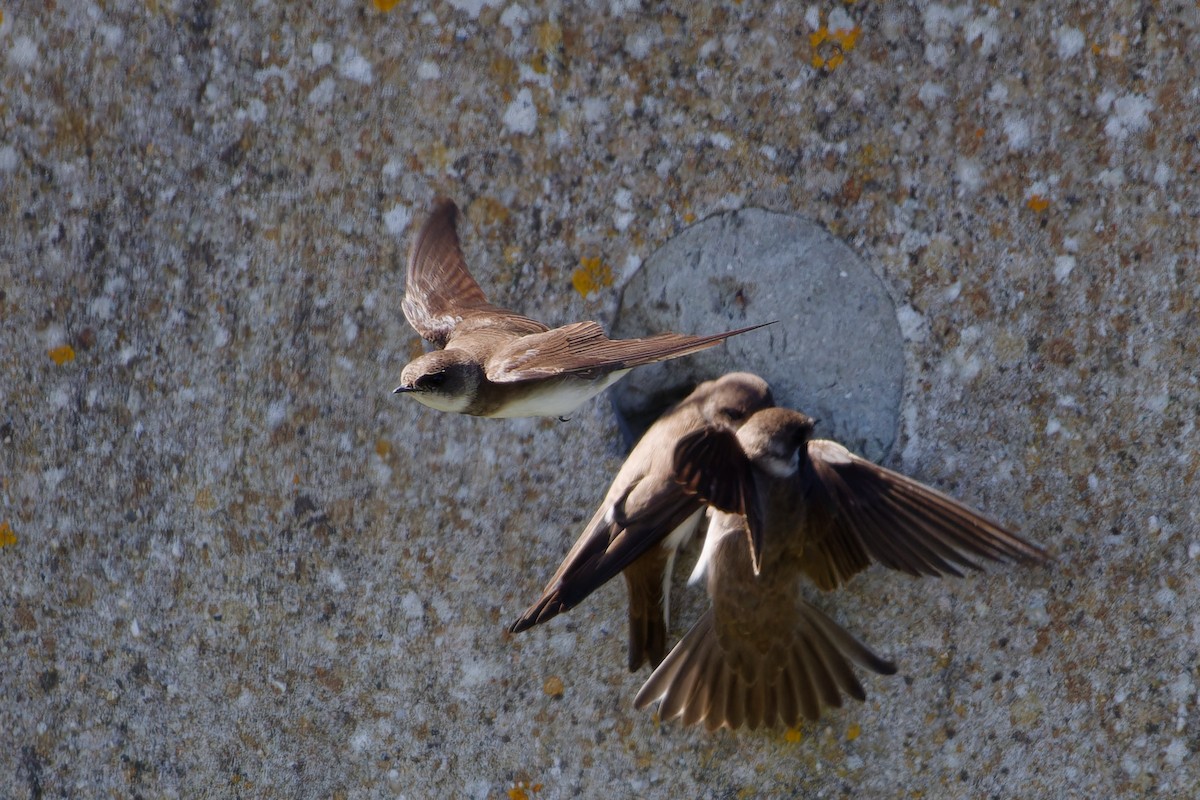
(779, 503)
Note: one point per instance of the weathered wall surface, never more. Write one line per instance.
(234, 564)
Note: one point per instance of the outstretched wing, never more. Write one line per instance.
(859, 509)
(583, 349)
(439, 292)
(610, 543)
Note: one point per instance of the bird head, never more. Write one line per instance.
(447, 380)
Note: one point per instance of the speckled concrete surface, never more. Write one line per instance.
(234, 565)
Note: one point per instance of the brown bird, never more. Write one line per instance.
(762, 655)
(497, 363)
(646, 517)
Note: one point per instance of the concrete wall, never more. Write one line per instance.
(234, 565)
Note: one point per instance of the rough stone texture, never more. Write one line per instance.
(833, 349)
(234, 565)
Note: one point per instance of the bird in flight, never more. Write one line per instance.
(493, 362)
(646, 517)
(762, 654)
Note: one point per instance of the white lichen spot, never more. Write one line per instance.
(112, 35)
(937, 55)
(53, 477)
(941, 21)
(472, 7)
(349, 328)
(354, 66)
(515, 18)
(595, 111)
(1162, 174)
(412, 606)
(8, 158)
(322, 54)
(969, 174)
(632, 263)
(1070, 42)
(393, 169)
(912, 323)
(521, 115)
(397, 219)
(721, 140)
(1157, 403)
(276, 414)
(220, 335)
(361, 740)
(60, 399)
(1063, 265)
(984, 31)
(1176, 752)
(22, 53)
(1111, 178)
(322, 93)
(428, 71)
(1018, 133)
(1130, 114)
(1053, 426)
(930, 94)
(1035, 608)
(134, 628)
(840, 21)
(335, 580)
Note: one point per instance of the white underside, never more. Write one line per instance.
(675, 540)
(716, 532)
(558, 399)
(454, 405)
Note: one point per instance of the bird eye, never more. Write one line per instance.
(734, 414)
(433, 380)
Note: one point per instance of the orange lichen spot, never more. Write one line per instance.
(62, 354)
(383, 448)
(853, 732)
(592, 275)
(520, 790)
(385, 5)
(1037, 203)
(549, 36)
(793, 735)
(553, 686)
(847, 38)
(295, 479)
(689, 217)
(7, 537)
(829, 47)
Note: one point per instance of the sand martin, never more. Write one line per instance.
(762, 655)
(646, 517)
(497, 363)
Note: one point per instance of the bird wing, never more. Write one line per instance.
(711, 464)
(439, 292)
(611, 542)
(858, 509)
(583, 349)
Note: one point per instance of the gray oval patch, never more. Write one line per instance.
(834, 353)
